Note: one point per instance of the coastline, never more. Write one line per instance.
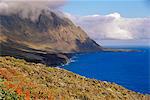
(58, 83)
(120, 50)
(88, 65)
(72, 55)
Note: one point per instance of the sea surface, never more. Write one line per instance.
(129, 69)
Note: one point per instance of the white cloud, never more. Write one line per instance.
(113, 26)
(28, 8)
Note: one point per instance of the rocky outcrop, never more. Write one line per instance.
(49, 34)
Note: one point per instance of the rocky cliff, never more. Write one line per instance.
(48, 35)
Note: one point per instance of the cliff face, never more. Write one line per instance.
(22, 80)
(49, 34)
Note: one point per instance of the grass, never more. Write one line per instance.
(26, 81)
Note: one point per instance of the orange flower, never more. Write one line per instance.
(19, 91)
(30, 84)
(27, 93)
(50, 97)
(6, 83)
(11, 86)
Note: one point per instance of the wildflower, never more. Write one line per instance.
(27, 95)
(11, 86)
(19, 91)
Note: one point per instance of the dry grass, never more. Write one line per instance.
(22, 80)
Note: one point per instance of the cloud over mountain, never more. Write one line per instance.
(28, 8)
(113, 26)
(98, 27)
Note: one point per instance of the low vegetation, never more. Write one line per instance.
(29, 81)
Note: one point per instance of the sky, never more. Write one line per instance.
(112, 22)
(108, 22)
(127, 8)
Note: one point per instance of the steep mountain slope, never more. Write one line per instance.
(20, 79)
(49, 34)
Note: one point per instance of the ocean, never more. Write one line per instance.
(128, 69)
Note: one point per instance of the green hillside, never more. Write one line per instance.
(20, 80)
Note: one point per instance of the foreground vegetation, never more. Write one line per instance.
(28, 81)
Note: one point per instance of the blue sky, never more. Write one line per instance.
(133, 24)
(127, 8)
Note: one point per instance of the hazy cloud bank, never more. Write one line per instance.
(28, 8)
(113, 26)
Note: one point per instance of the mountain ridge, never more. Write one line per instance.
(49, 34)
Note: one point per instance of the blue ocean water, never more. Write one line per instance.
(129, 69)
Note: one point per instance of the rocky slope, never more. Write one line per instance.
(22, 80)
(49, 34)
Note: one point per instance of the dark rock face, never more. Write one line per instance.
(49, 34)
(35, 56)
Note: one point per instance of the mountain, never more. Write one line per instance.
(47, 39)
(22, 80)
